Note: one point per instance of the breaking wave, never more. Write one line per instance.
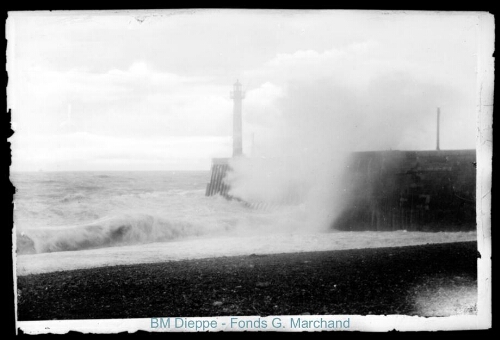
(73, 197)
(114, 231)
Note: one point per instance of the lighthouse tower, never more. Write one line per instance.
(237, 96)
(220, 166)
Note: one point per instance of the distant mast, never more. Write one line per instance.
(237, 95)
(437, 132)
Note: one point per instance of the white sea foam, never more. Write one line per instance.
(67, 221)
(204, 247)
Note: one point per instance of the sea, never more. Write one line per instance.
(77, 220)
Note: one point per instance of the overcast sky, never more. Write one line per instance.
(150, 90)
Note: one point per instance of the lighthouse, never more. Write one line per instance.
(220, 166)
(237, 96)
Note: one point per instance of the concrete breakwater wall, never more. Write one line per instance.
(410, 190)
(396, 190)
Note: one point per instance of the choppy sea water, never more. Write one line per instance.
(72, 220)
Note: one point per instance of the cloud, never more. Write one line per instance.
(135, 101)
(85, 151)
(373, 79)
(140, 114)
(260, 104)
